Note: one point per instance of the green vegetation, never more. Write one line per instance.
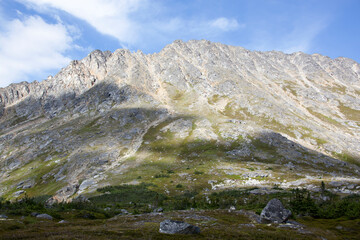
(136, 197)
(215, 98)
(178, 95)
(18, 120)
(95, 218)
(347, 158)
(89, 127)
(324, 118)
(351, 114)
(262, 120)
(141, 199)
(290, 87)
(338, 88)
(215, 224)
(162, 176)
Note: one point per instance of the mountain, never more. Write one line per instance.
(196, 116)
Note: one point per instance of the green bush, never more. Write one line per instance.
(129, 196)
(162, 176)
(302, 203)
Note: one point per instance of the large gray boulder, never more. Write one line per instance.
(173, 227)
(274, 212)
(44, 216)
(3, 216)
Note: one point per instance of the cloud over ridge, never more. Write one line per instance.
(31, 46)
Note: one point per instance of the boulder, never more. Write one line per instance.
(18, 193)
(274, 212)
(3, 216)
(44, 216)
(34, 214)
(177, 227)
(124, 211)
(158, 210)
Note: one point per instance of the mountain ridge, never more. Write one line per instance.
(107, 104)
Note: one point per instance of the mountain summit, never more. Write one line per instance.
(201, 114)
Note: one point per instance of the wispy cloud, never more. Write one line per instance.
(110, 17)
(120, 19)
(297, 34)
(226, 24)
(31, 46)
(301, 38)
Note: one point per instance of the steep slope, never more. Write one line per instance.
(197, 116)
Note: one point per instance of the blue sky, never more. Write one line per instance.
(39, 37)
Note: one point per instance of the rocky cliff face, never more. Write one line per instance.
(205, 114)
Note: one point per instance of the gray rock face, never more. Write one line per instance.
(44, 216)
(177, 227)
(274, 212)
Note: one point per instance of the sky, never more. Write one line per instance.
(39, 37)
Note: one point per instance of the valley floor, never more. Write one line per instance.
(214, 224)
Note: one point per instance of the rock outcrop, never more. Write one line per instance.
(44, 216)
(178, 227)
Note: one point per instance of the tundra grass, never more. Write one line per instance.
(351, 114)
(214, 224)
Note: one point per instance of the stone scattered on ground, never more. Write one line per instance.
(63, 221)
(18, 193)
(251, 215)
(34, 214)
(158, 210)
(274, 212)
(200, 217)
(246, 225)
(124, 211)
(177, 227)
(44, 216)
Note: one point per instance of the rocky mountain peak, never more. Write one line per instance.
(104, 118)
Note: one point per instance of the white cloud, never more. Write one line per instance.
(31, 46)
(296, 35)
(109, 17)
(225, 24)
(130, 21)
(301, 38)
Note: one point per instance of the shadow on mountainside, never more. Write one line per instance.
(106, 93)
(85, 135)
(266, 147)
